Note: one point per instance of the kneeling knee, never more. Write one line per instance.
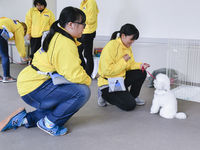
(128, 107)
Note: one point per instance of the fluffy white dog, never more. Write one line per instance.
(164, 100)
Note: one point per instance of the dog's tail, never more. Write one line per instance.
(181, 115)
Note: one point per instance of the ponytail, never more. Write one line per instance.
(114, 35)
(49, 36)
(127, 29)
(68, 14)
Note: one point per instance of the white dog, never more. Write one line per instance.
(164, 100)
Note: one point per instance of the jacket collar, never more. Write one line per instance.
(121, 43)
(66, 34)
(44, 11)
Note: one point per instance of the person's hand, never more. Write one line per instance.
(144, 66)
(25, 59)
(28, 37)
(126, 57)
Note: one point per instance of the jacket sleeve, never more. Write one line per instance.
(28, 21)
(19, 41)
(68, 64)
(52, 18)
(109, 65)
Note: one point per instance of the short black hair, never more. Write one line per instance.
(41, 2)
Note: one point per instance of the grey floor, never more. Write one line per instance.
(104, 128)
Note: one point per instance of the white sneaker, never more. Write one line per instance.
(101, 102)
(8, 79)
(139, 101)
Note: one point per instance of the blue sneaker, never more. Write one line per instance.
(14, 120)
(55, 131)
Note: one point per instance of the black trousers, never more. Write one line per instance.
(35, 45)
(125, 99)
(86, 51)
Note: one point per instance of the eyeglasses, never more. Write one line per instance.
(81, 24)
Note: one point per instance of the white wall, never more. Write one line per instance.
(15, 9)
(154, 18)
(52, 5)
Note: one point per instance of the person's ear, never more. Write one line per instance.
(69, 26)
(123, 36)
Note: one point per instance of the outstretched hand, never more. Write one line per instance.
(144, 66)
(25, 59)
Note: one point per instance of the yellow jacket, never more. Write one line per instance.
(112, 63)
(62, 57)
(89, 7)
(18, 31)
(38, 22)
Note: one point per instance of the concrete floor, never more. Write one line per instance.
(104, 128)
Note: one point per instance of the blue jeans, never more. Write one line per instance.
(4, 56)
(57, 102)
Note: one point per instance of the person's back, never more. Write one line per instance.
(48, 62)
(10, 24)
(11, 30)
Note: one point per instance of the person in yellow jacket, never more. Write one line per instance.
(55, 83)
(14, 30)
(89, 7)
(38, 20)
(118, 71)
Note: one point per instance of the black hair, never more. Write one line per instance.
(41, 2)
(68, 14)
(127, 29)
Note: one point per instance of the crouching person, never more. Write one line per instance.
(118, 71)
(55, 84)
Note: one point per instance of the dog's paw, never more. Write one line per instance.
(153, 112)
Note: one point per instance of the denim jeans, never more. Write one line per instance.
(4, 56)
(57, 102)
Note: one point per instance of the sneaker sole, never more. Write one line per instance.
(9, 81)
(7, 120)
(47, 131)
(140, 104)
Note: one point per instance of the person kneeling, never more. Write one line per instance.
(118, 71)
